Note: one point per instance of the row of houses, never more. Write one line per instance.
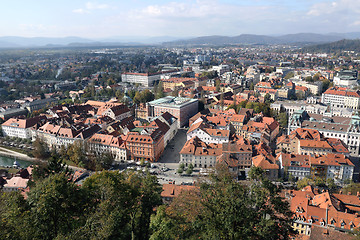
(101, 126)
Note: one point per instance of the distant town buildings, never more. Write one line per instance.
(13, 112)
(310, 107)
(145, 79)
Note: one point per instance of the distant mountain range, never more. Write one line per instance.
(263, 39)
(342, 45)
(25, 42)
(303, 38)
(19, 42)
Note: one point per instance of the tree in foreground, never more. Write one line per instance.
(120, 207)
(14, 214)
(53, 165)
(109, 205)
(56, 207)
(222, 208)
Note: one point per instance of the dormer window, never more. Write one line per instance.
(352, 225)
(342, 224)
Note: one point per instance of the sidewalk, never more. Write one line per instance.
(10, 153)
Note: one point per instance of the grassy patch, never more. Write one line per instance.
(10, 170)
(70, 163)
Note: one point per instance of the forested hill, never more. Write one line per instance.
(339, 46)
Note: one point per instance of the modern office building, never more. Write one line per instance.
(181, 108)
(346, 78)
(145, 79)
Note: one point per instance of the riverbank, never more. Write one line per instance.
(12, 154)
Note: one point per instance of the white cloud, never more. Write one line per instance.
(191, 18)
(335, 8)
(202, 10)
(27, 26)
(335, 16)
(80, 11)
(356, 23)
(184, 9)
(215, 17)
(89, 6)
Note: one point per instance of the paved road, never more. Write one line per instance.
(356, 162)
(170, 159)
(171, 152)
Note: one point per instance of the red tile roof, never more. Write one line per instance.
(331, 159)
(172, 190)
(305, 143)
(197, 147)
(342, 92)
(264, 163)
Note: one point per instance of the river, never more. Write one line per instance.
(8, 162)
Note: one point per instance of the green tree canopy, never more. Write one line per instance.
(289, 75)
(222, 208)
(109, 205)
(41, 150)
(123, 206)
(56, 207)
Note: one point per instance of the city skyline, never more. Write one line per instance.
(109, 18)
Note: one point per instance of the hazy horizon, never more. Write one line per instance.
(140, 18)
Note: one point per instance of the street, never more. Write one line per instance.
(171, 152)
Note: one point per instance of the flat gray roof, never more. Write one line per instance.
(169, 101)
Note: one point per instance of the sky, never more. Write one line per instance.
(184, 18)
